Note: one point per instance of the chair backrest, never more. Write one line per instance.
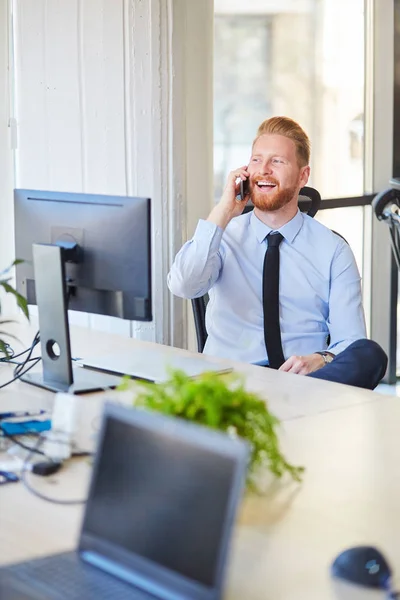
(309, 202)
(199, 306)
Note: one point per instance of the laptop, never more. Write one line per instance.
(152, 364)
(158, 519)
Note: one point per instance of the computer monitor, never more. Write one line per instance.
(83, 252)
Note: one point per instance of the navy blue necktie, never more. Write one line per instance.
(272, 329)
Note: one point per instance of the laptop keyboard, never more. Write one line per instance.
(66, 577)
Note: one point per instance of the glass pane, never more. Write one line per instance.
(349, 223)
(284, 57)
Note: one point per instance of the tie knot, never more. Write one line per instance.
(274, 239)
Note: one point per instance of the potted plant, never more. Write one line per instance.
(221, 402)
(5, 284)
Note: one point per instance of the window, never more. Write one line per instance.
(300, 59)
(242, 77)
(285, 58)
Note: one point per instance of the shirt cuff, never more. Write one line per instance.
(340, 346)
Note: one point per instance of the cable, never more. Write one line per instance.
(22, 368)
(35, 342)
(35, 361)
(35, 449)
(9, 353)
(391, 594)
(31, 449)
(19, 369)
(32, 490)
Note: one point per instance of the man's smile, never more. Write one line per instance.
(265, 185)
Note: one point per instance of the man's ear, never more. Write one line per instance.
(304, 175)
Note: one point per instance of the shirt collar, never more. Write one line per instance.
(289, 230)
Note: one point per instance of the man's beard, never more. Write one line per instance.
(273, 200)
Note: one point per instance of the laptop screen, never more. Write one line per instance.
(161, 497)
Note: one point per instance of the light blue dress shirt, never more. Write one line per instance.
(319, 287)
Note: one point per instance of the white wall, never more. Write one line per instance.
(6, 155)
(115, 96)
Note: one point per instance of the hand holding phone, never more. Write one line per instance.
(233, 200)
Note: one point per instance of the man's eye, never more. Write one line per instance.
(277, 160)
(255, 160)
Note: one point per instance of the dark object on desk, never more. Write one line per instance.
(364, 565)
(172, 499)
(46, 468)
(83, 252)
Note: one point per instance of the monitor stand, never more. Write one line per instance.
(51, 297)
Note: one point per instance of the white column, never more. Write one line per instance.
(6, 155)
(116, 97)
(169, 133)
(170, 95)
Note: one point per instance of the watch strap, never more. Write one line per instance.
(327, 356)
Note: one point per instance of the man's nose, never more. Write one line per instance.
(266, 167)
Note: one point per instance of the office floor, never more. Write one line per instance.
(393, 389)
(384, 388)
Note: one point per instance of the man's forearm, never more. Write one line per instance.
(197, 264)
(220, 216)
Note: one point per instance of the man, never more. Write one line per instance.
(319, 284)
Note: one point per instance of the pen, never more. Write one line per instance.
(21, 413)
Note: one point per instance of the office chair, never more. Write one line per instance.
(309, 202)
(386, 206)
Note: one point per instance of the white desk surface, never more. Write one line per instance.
(286, 539)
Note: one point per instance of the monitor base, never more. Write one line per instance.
(84, 381)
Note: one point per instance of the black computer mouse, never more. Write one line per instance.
(364, 565)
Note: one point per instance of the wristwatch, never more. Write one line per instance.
(327, 356)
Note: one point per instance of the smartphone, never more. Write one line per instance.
(244, 189)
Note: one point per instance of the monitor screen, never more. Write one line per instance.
(113, 274)
(168, 495)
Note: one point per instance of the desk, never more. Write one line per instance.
(285, 541)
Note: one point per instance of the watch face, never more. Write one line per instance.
(328, 357)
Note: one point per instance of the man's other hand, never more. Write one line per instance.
(303, 365)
